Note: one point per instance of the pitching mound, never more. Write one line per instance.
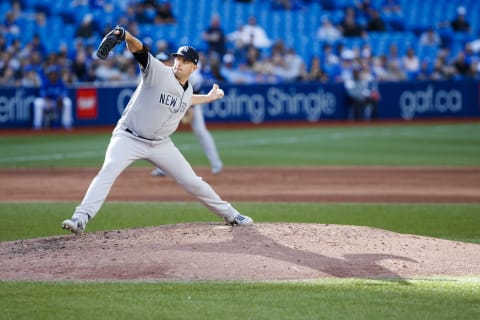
(213, 251)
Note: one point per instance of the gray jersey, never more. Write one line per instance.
(158, 104)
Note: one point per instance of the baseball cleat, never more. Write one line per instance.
(157, 172)
(239, 220)
(74, 225)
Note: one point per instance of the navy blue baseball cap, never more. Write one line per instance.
(188, 53)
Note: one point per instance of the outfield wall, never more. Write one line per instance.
(310, 102)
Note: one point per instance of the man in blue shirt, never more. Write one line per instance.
(53, 99)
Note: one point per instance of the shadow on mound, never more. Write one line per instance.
(212, 251)
(249, 241)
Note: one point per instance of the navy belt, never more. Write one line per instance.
(136, 135)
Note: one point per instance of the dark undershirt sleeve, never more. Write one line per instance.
(141, 57)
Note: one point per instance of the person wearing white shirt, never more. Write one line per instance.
(328, 32)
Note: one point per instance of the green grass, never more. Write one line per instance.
(449, 221)
(325, 299)
(401, 144)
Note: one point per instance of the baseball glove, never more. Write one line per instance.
(109, 42)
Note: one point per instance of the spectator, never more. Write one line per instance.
(278, 47)
(15, 47)
(212, 74)
(130, 75)
(294, 66)
(462, 66)
(37, 45)
(441, 69)
(3, 43)
(17, 7)
(375, 21)
(253, 58)
(8, 67)
(235, 75)
(430, 38)
(330, 61)
(82, 67)
(236, 40)
(162, 46)
(278, 64)
(215, 36)
(164, 13)
(365, 51)
(327, 32)
(315, 72)
(411, 64)
(87, 28)
(108, 71)
(459, 23)
(36, 61)
(12, 67)
(30, 79)
(380, 69)
(474, 44)
(9, 25)
(53, 98)
(264, 70)
(349, 26)
(395, 64)
(425, 71)
(41, 20)
(253, 34)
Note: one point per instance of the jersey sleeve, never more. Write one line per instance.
(142, 57)
(154, 71)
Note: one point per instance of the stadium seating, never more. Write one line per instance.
(295, 28)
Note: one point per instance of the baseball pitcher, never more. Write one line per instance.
(153, 113)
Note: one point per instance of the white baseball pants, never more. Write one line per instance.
(123, 150)
(42, 104)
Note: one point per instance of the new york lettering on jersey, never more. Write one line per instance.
(171, 102)
(168, 100)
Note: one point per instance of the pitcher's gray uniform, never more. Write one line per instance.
(143, 132)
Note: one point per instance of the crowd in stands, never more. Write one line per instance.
(244, 56)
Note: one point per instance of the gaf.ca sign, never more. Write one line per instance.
(430, 101)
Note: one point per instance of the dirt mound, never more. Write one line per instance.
(213, 251)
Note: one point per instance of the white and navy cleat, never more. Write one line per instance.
(239, 220)
(74, 225)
